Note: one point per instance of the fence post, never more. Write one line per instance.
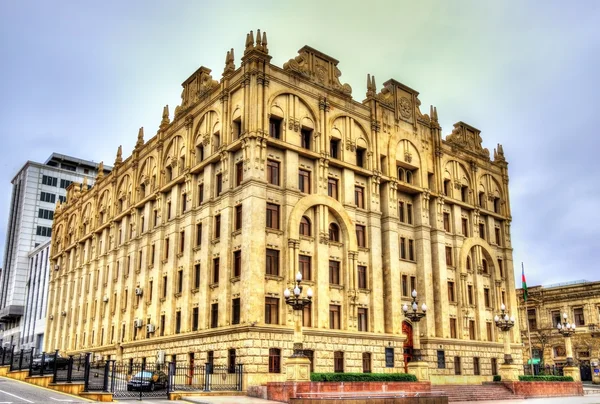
(171, 374)
(21, 359)
(106, 371)
(240, 376)
(86, 372)
(207, 371)
(55, 366)
(69, 368)
(31, 362)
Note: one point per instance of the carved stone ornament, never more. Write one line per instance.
(467, 138)
(318, 68)
(404, 106)
(199, 85)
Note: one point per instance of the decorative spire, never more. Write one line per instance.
(433, 113)
(264, 43)
(165, 118)
(229, 63)
(119, 158)
(100, 174)
(499, 153)
(84, 187)
(371, 90)
(249, 42)
(258, 40)
(140, 139)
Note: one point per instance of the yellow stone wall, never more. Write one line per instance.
(103, 238)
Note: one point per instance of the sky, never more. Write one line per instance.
(80, 78)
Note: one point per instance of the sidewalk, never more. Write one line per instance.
(227, 400)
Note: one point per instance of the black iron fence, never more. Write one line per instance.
(21, 360)
(7, 355)
(187, 378)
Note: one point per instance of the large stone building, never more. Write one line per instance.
(188, 245)
(35, 190)
(580, 301)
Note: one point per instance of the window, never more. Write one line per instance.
(447, 187)
(217, 226)
(272, 216)
(401, 212)
(183, 202)
(238, 217)
(275, 127)
(332, 188)
(486, 297)
(500, 268)
(236, 128)
(389, 357)
(338, 362)
(451, 296)
(457, 365)
(196, 276)
(199, 153)
(168, 173)
(311, 357)
(177, 322)
(219, 184)
(168, 210)
(162, 326)
(304, 181)
(48, 197)
(305, 138)
(484, 266)
(362, 277)
(271, 310)
(449, 256)
(180, 281)
(305, 226)
(470, 295)
(404, 285)
(237, 263)
(216, 264)
(403, 248)
(214, 315)
(152, 254)
(468, 265)
(366, 362)
(65, 183)
(210, 359)
(359, 198)
(452, 328)
(334, 148)
(360, 236)
(307, 316)
(61, 199)
(45, 214)
(363, 319)
(464, 193)
(465, 226)
(497, 205)
(235, 311)
(216, 141)
(274, 360)
(200, 194)
(182, 241)
(334, 317)
(472, 329)
(489, 331)
(239, 173)
(578, 316)
(334, 232)
(482, 199)
(304, 263)
(556, 318)
(47, 180)
(334, 272)
(273, 172)
(476, 370)
(360, 157)
(409, 213)
(198, 234)
(441, 359)
(272, 262)
(411, 250)
(482, 230)
(165, 285)
(43, 231)
(494, 366)
(447, 222)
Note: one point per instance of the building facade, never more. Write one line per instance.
(545, 305)
(36, 298)
(188, 245)
(35, 190)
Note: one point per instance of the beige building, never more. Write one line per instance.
(546, 305)
(188, 245)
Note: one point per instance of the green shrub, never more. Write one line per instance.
(362, 377)
(529, 378)
(497, 378)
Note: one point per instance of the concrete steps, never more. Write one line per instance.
(475, 392)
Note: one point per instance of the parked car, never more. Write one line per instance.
(61, 362)
(148, 380)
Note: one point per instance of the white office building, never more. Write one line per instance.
(36, 300)
(35, 190)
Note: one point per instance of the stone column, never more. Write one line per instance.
(570, 369)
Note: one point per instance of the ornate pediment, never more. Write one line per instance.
(466, 137)
(198, 86)
(401, 99)
(318, 68)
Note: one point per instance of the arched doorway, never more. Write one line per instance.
(408, 344)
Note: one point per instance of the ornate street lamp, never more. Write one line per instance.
(505, 323)
(415, 317)
(297, 302)
(567, 330)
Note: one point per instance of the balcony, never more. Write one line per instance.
(10, 313)
(594, 330)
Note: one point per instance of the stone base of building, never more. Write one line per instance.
(545, 389)
(419, 369)
(509, 373)
(297, 369)
(572, 371)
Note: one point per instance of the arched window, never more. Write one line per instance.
(334, 232)
(304, 226)
(409, 177)
(484, 266)
(468, 263)
(400, 174)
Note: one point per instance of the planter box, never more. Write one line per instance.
(545, 389)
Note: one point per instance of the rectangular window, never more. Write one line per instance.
(457, 370)
(238, 217)
(180, 281)
(556, 319)
(47, 197)
(441, 359)
(272, 262)
(43, 231)
(198, 234)
(272, 216)
(389, 357)
(332, 188)
(362, 277)
(168, 210)
(334, 272)
(338, 362)
(447, 222)
(200, 194)
(275, 128)
(237, 263)
(465, 226)
(183, 203)
(489, 331)
(361, 236)
(196, 276)
(482, 230)
(486, 297)
(218, 184)
(360, 157)
(404, 285)
(274, 360)
(472, 329)
(165, 286)
(214, 315)
(239, 173)
(271, 310)
(231, 359)
(304, 181)
(273, 172)
(307, 316)
(47, 180)
(235, 311)
(448, 256)
(359, 197)
(217, 226)
(305, 137)
(177, 322)
(401, 214)
(451, 296)
(402, 248)
(476, 370)
(497, 236)
(61, 199)
(470, 295)
(182, 241)
(494, 366)
(411, 250)
(195, 319)
(452, 328)
(334, 317)
(45, 214)
(363, 319)
(409, 213)
(532, 318)
(304, 263)
(162, 325)
(334, 148)
(65, 183)
(216, 263)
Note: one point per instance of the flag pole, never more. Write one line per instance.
(527, 320)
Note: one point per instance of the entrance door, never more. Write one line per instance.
(585, 371)
(408, 344)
